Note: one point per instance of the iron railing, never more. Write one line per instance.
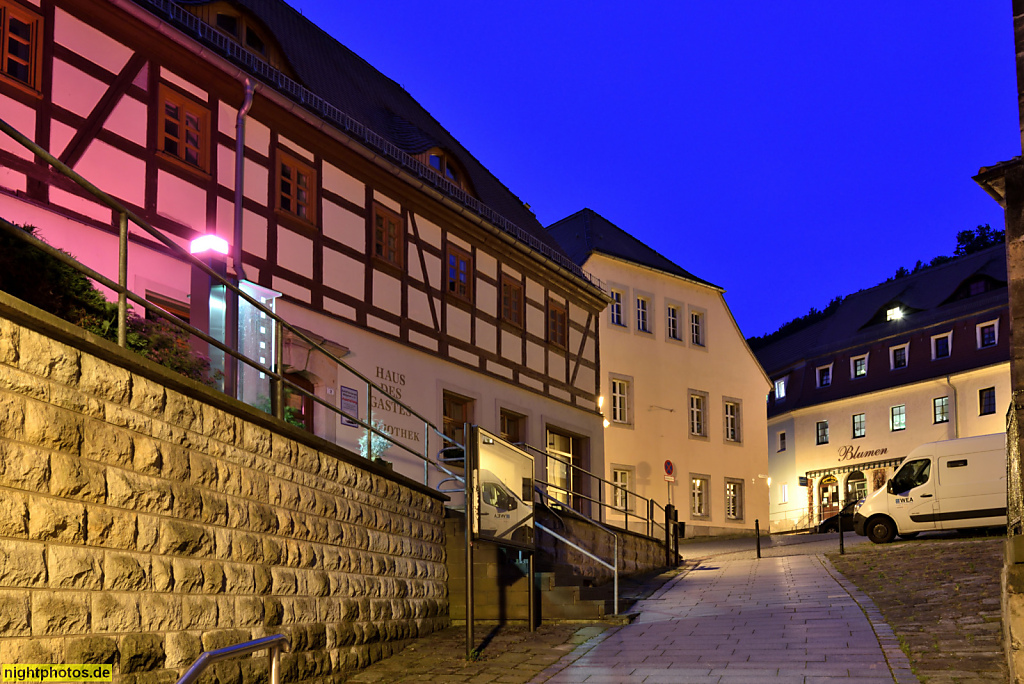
(274, 372)
(274, 645)
(613, 566)
(647, 518)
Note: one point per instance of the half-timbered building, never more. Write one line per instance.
(361, 218)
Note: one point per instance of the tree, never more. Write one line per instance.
(982, 237)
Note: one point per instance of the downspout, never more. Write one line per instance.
(956, 410)
(236, 243)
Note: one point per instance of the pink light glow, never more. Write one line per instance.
(208, 243)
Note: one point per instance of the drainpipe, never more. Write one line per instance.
(236, 243)
(956, 410)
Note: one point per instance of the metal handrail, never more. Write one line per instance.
(586, 472)
(615, 540)
(274, 644)
(124, 295)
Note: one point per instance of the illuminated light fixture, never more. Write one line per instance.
(606, 423)
(894, 314)
(600, 402)
(209, 243)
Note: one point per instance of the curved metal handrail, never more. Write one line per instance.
(275, 644)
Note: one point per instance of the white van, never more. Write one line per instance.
(951, 485)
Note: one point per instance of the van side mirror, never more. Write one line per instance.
(888, 487)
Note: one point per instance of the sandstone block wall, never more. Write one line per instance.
(141, 525)
(638, 553)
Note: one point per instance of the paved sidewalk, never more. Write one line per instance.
(790, 619)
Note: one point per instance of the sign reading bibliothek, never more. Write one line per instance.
(350, 405)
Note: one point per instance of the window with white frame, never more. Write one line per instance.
(643, 319)
(858, 366)
(942, 345)
(898, 356)
(784, 492)
(858, 425)
(734, 499)
(698, 414)
(698, 334)
(700, 507)
(615, 310)
(780, 388)
(620, 400)
(782, 441)
(823, 376)
(821, 430)
(898, 418)
(731, 411)
(623, 477)
(940, 409)
(672, 323)
(987, 334)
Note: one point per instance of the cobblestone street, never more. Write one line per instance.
(941, 597)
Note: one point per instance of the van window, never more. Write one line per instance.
(912, 474)
(959, 463)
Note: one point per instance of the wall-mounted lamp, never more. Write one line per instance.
(209, 243)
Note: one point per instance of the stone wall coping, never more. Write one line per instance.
(47, 324)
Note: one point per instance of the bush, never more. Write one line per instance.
(46, 282)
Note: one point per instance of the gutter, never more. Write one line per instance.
(236, 244)
(132, 9)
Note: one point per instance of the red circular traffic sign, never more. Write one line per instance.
(669, 468)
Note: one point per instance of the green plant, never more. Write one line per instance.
(48, 283)
(292, 416)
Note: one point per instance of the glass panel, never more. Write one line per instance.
(20, 29)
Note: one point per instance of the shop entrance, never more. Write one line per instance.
(828, 497)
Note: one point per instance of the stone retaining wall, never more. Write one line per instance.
(144, 519)
(638, 554)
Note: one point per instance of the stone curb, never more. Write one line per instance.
(899, 664)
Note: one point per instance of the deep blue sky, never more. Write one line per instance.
(787, 151)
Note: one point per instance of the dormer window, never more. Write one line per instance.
(894, 313)
(445, 166)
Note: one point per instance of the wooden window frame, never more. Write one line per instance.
(380, 211)
(34, 21)
(312, 189)
(558, 324)
(515, 295)
(509, 418)
(186, 105)
(452, 428)
(451, 283)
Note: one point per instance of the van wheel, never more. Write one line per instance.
(908, 535)
(881, 530)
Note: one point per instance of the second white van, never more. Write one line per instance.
(950, 485)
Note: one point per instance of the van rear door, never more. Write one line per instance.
(972, 490)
